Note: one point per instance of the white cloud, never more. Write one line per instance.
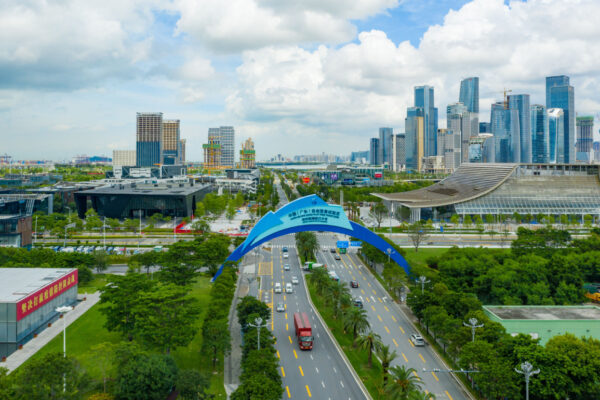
(358, 87)
(192, 95)
(235, 25)
(197, 69)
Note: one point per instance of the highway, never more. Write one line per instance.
(389, 321)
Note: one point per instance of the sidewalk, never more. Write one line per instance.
(30, 348)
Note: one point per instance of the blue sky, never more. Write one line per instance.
(299, 77)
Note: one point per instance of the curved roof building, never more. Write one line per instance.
(550, 189)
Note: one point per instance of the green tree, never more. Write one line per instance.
(417, 234)
(192, 385)
(258, 387)
(386, 357)
(356, 321)
(200, 210)
(307, 244)
(454, 219)
(378, 212)
(101, 260)
(102, 355)
(146, 377)
(251, 306)
(402, 383)
(467, 220)
(231, 210)
(92, 221)
(370, 342)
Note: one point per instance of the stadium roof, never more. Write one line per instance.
(469, 181)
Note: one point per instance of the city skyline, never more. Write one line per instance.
(287, 87)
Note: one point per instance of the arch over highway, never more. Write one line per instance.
(310, 213)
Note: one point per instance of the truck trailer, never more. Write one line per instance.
(303, 331)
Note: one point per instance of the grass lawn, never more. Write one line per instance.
(372, 378)
(420, 258)
(94, 285)
(89, 331)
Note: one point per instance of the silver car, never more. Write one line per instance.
(417, 340)
(295, 280)
(280, 307)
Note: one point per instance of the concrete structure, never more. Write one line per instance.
(177, 199)
(585, 137)
(560, 94)
(477, 153)
(248, 155)
(124, 158)
(15, 231)
(359, 157)
(28, 301)
(212, 150)
(503, 189)
(433, 165)
(544, 322)
(149, 137)
(158, 172)
(24, 180)
(171, 142)
(182, 144)
(449, 147)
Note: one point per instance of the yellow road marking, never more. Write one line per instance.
(401, 329)
(301, 372)
(289, 337)
(386, 309)
(295, 354)
(379, 318)
(394, 318)
(396, 343)
(409, 341)
(435, 376)
(379, 298)
(369, 284)
(367, 299)
(287, 389)
(386, 329)
(310, 395)
(286, 314)
(287, 328)
(278, 354)
(373, 290)
(282, 372)
(284, 297)
(422, 359)
(373, 308)
(448, 394)
(405, 359)
(362, 291)
(415, 372)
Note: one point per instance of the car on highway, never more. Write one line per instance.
(289, 288)
(353, 283)
(280, 307)
(357, 303)
(332, 250)
(285, 255)
(286, 267)
(295, 280)
(337, 256)
(417, 339)
(277, 287)
(284, 249)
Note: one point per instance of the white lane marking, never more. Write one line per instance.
(311, 357)
(334, 370)
(317, 369)
(322, 383)
(341, 383)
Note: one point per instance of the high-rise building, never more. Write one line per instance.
(540, 135)
(171, 142)
(560, 94)
(360, 157)
(520, 102)
(149, 137)
(424, 98)
(226, 139)
(585, 137)
(182, 143)
(212, 150)
(374, 152)
(247, 154)
(449, 146)
(398, 152)
(460, 121)
(124, 158)
(477, 148)
(505, 128)
(485, 127)
(385, 145)
(415, 138)
(556, 133)
(469, 94)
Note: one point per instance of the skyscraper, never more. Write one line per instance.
(585, 137)
(540, 137)
(171, 142)
(374, 152)
(485, 127)
(385, 145)
(556, 133)
(415, 138)
(449, 147)
(520, 102)
(505, 128)
(247, 154)
(459, 121)
(398, 151)
(469, 94)
(424, 98)
(227, 146)
(182, 143)
(149, 137)
(560, 94)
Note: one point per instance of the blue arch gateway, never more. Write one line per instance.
(310, 213)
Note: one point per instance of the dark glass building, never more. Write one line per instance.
(424, 99)
(540, 138)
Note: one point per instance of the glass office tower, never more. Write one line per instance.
(415, 138)
(505, 128)
(469, 94)
(540, 140)
(424, 98)
(374, 152)
(385, 145)
(585, 137)
(520, 102)
(556, 134)
(560, 94)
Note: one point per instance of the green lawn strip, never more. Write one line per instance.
(420, 257)
(94, 285)
(372, 378)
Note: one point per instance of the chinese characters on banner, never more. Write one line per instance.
(40, 298)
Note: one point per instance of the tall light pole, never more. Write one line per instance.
(391, 214)
(174, 229)
(104, 232)
(389, 252)
(63, 311)
(140, 235)
(422, 280)
(35, 236)
(258, 324)
(65, 238)
(473, 324)
(527, 371)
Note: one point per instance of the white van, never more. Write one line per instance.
(289, 288)
(277, 287)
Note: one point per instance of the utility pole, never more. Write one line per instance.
(391, 214)
(63, 311)
(527, 371)
(473, 324)
(174, 229)
(258, 324)
(35, 236)
(104, 232)
(422, 280)
(140, 235)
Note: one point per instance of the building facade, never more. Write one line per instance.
(540, 135)
(461, 122)
(415, 138)
(149, 137)
(485, 127)
(212, 150)
(505, 128)
(182, 143)
(171, 142)
(560, 94)
(449, 147)
(247, 154)
(556, 133)
(521, 103)
(469, 94)
(374, 152)
(227, 134)
(585, 138)
(385, 145)
(124, 158)
(424, 99)
(398, 152)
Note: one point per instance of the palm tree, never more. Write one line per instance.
(370, 342)
(418, 395)
(320, 279)
(403, 382)
(356, 321)
(307, 244)
(338, 295)
(386, 357)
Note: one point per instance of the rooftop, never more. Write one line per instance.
(18, 283)
(545, 313)
(170, 189)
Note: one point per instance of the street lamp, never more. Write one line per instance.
(527, 371)
(473, 325)
(63, 310)
(258, 324)
(65, 238)
(389, 252)
(422, 280)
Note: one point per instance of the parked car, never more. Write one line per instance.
(417, 339)
(354, 283)
(280, 307)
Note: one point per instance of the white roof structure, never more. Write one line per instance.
(18, 283)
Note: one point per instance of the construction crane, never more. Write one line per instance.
(506, 91)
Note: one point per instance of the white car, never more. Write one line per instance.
(277, 287)
(280, 307)
(285, 256)
(289, 288)
(286, 267)
(295, 280)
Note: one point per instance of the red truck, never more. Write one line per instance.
(303, 331)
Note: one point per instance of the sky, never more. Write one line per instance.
(298, 77)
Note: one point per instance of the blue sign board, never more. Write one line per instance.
(356, 244)
(342, 244)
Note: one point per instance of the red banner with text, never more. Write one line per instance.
(40, 298)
